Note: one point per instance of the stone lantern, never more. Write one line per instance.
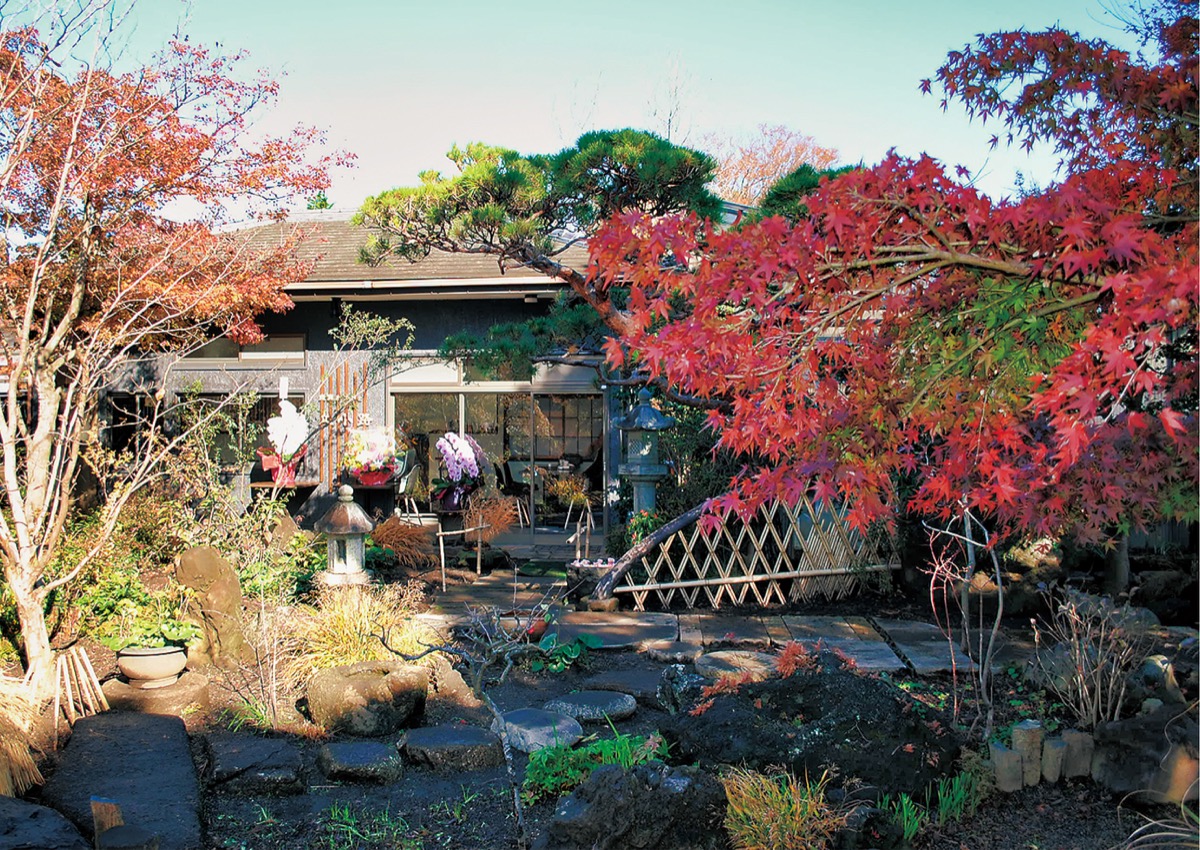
(641, 467)
(346, 525)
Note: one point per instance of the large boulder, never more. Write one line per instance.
(651, 807)
(370, 698)
(219, 601)
(1152, 755)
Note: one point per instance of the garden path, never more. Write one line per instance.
(873, 645)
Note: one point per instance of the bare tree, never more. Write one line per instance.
(748, 166)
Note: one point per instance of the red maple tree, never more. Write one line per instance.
(114, 186)
(915, 344)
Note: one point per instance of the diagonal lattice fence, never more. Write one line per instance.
(781, 554)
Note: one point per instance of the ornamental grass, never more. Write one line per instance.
(769, 812)
(345, 624)
(18, 712)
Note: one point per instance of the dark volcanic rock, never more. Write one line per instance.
(454, 747)
(651, 807)
(255, 765)
(26, 826)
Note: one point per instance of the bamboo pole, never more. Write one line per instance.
(703, 582)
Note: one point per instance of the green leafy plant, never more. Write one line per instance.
(557, 657)
(780, 810)
(553, 771)
(908, 814)
(167, 631)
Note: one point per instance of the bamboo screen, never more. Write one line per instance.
(342, 399)
(781, 554)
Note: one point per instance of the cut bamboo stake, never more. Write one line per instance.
(87, 662)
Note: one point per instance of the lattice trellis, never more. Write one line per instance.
(781, 554)
(343, 400)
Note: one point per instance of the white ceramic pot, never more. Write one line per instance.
(152, 666)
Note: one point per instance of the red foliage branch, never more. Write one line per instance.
(1032, 359)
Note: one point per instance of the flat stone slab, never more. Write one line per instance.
(716, 630)
(454, 747)
(672, 651)
(617, 630)
(808, 629)
(640, 683)
(360, 761)
(186, 697)
(143, 762)
(924, 648)
(736, 662)
(594, 706)
(869, 656)
(26, 826)
(532, 729)
(248, 763)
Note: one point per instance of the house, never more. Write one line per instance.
(559, 420)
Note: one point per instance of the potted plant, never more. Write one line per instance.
(287, 433)
(152, 653)
(464, 462)
(371, 456)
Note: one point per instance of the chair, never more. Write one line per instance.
(409, 469)
(518, 490)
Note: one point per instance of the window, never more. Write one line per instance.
(282, 348)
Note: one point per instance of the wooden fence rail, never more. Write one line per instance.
(781, 554)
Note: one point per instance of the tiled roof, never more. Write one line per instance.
(330, 238)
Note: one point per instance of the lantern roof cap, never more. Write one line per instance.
(345, 517)
(644, 416)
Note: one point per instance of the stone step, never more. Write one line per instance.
(532, 729)
(453, 747)
(140, 761)
(594, 706)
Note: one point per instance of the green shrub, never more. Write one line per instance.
(769, 812)
(553, 771)
(557, 657)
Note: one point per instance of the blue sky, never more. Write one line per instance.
(399, 82)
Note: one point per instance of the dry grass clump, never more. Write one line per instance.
(768, 812)
(344, 624)
(498, 513)
(412, 544)
(18, 712)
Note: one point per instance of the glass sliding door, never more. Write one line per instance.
(423, 418)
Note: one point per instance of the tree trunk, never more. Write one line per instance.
(39, 658)
(1116, 567)
(604, 589)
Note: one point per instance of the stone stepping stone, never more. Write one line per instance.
(594, 706)
(869, 656)
(532, 729)
(360, 761)
(254, 765)
(672, 651)
(736, 662)
(140, 760)
(639, 683)
(27, 825)
(454, 747)
(924, 647)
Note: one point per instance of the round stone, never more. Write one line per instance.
(672, 651)
(454, 747)
(737, 663)
(532, 729)
(594, 706)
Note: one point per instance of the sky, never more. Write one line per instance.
(397, 83)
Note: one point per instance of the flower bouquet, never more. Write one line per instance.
(287, 433)
(371, 456)
(464, 462)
